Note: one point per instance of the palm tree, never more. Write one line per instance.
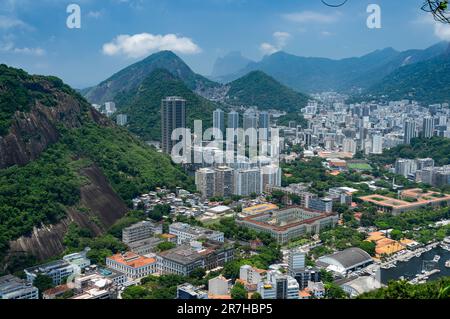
(444, 292)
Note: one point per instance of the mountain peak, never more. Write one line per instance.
(132, 76)
(163, 54)
(258, 88)
(230, 63)
(257, 75)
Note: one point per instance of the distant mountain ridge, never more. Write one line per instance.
(310, 74)
(228, 64)
(426, 81)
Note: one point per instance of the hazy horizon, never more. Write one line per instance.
(118, 33)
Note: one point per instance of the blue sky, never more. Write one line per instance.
(34, 35)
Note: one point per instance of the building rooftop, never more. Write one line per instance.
(168, 236)
(48, 267)
(421, 199)
(10, 283)
(258, 209)
(274, 223)
(56, 290)
(219, 209)
(153, 241)
(363, 284)
(194, 230)
(140, 224)
(133, 260)
(348, 258)
(183, 254)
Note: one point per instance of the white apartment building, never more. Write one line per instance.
(279, 286)
(140, 231)
(12, 287)
(218, 286)
(270, 176)
(205, 182)
(57, 270)
(186, 233)
(247, 182)
(349, 145)
(297, 259)
(377, 144)
(250, 275)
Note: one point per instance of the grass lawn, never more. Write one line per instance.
(359, 166)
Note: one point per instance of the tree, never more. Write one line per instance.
(43, 283)
(296, 200)
(439, 10)
(333, 291)
(396, 234)
(198, 273)
(134, 292)
(155, 215)
(231, 269)
(256, 295)
(165, 246)
(277, 196)
(159, 211)
(326, 276)
(238, 292)
(368, 247)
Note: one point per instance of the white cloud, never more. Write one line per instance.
(143, 44)
(442, 31)
(9, 23)
(267, 48)
(9, 47)
(311, 17)
(326, 33)
(281, 39)
(94, 14)
(30, 51)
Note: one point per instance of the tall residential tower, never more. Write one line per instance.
(173, 116)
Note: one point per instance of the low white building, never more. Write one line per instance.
(218, 286)
(250, 275)
(12, 287)
(186, 233)
(361, 285)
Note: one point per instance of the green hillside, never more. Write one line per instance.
(257, 88)
(41, 191)
(427, 82)
(19, 91)
(143, 105)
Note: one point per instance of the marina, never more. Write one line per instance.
(428, 263)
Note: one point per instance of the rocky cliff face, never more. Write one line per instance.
(103, 205)
(32, 132)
